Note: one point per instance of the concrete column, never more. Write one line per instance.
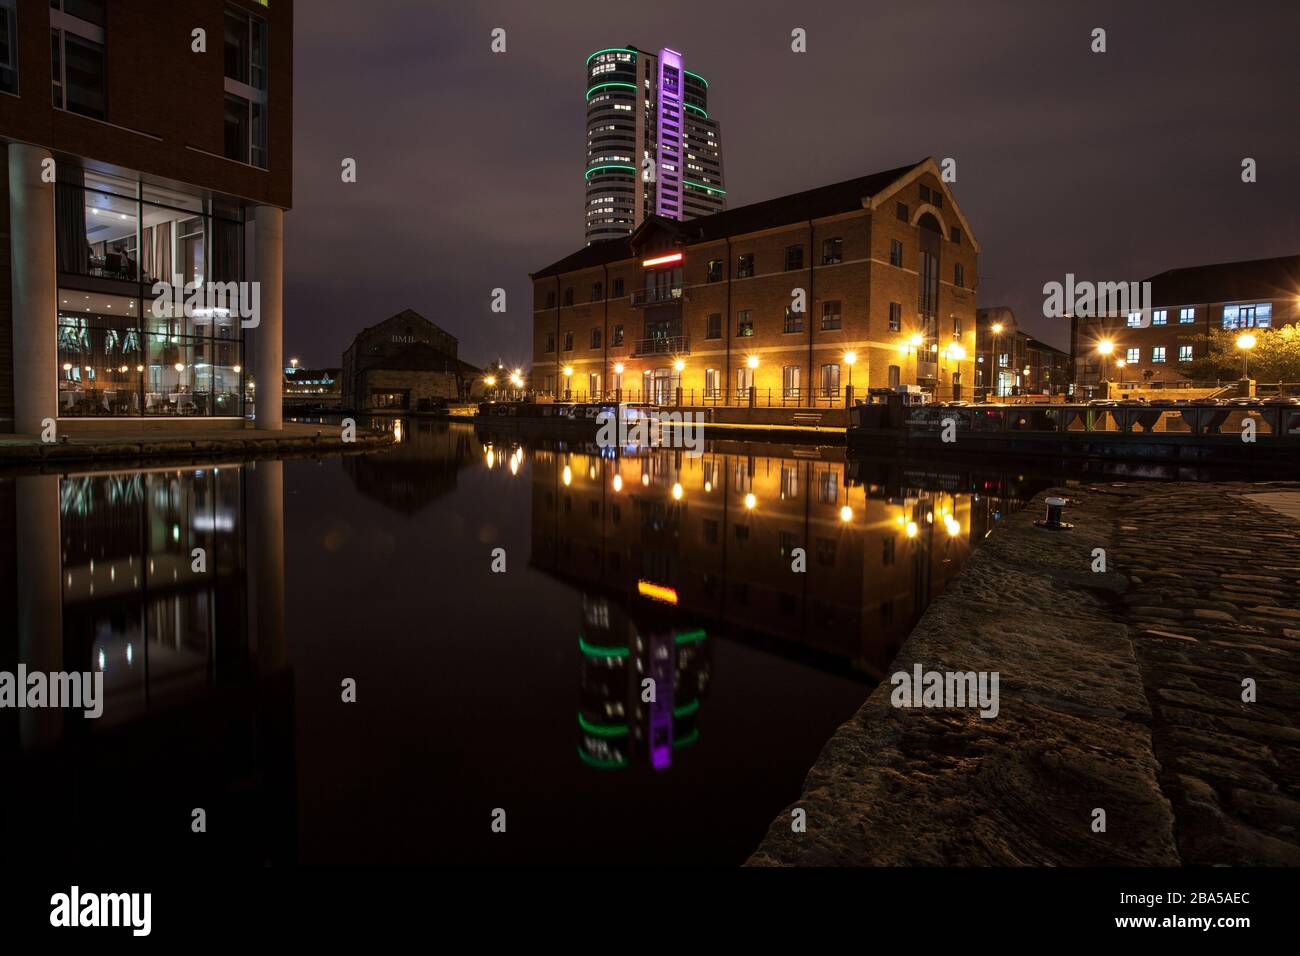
(265, 542)
(40, 594)
(268, 271)
(35, 290)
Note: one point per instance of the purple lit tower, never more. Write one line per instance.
(652, 148)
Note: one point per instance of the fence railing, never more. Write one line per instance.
(697, 397)
(1190, 420)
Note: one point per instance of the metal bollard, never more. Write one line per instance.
(1053, 522)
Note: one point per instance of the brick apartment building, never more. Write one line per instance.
(1157, 344)
(136, 150)
(887, 269)
(1009, 361)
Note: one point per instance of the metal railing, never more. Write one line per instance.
(704, 397)
(1189, 420)
(656, 295)
(664, 345)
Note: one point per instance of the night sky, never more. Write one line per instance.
(1111, 166)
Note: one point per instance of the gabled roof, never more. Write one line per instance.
(1227, 282)
(848, 196)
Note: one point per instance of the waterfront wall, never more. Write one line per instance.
(947, 787)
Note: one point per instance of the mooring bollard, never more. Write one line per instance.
(1053, 522)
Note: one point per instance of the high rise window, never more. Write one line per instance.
(568, 341)
(831, 317)
(895, 253)
(8, 47)
(832, 251)
(595, 338)
(597, 292)
(245, 68)
(617, 336)
(550, 342)
(958, 275)
(1158, 354)
(1187, 316)
(715, 270)
(550, 299)
(790, 380)
(713, 327)
(793, 320)
(1132, 356)
(745, 266)
(618, 288)
(1160, 317)
(568, 296)
(793, 258)
(745, 323)
(955, 234)
(77, 59)
(895, 316)
(900, 209)
(1184, 353)
(1135, 320)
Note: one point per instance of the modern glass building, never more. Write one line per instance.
(147, 182)
(652, 148)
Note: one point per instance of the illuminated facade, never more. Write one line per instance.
(652, 148)
(1157, 345)
(131, 163)
(870, 282)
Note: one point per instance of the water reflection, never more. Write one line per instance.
(801, 554)
(156, 579)
(419, 470)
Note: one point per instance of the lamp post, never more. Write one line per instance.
(1104, 348)
(618, 382)
(752, 363)
(1245, 342)
(850, 359)
(568, 378)
(957, 354)
(996, 372)
(679, 366)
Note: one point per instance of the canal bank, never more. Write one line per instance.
(1120, 691)
(209, 443)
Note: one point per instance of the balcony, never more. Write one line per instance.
(664, 345)
(656, 296)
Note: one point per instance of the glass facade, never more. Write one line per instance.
(122, 350)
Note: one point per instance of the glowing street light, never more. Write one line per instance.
(846, 514)
(618, 368)
(997, 328)
(750, 502)
(490, 381)
(752, 361)
(679, 366)
(1104, 348)
(1245, 342)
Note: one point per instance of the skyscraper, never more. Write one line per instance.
(652, 148)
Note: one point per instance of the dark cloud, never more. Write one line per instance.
(1111, 166)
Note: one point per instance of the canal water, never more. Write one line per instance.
(500, 605)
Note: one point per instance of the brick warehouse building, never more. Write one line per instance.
(166, 161)
(405, 363)
(887, 264)
(1186, 303)
(1009, 361)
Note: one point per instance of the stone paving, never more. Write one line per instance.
(1214, 600)
(1121, 690)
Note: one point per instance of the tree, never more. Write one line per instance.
(1275, 357)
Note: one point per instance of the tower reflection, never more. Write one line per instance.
(795, 550)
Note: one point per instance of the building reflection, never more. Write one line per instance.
(668, 549)
(420, 469)
(171, 584)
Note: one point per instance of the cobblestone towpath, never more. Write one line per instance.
(1160, 695)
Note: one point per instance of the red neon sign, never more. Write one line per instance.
(663, 260)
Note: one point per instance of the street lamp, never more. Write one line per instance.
(752, 361)
(568, 376)
(850, 359)
(1104, 348)
(1245, 342)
